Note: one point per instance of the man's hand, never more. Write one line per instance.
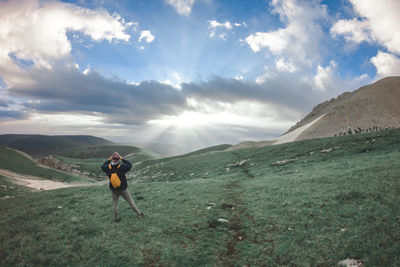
(121, 158)
(110, 158)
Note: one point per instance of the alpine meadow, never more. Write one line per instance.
(306, 203)
(200, 133)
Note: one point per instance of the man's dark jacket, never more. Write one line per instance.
(124, 168)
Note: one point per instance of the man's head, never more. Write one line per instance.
(115, 156)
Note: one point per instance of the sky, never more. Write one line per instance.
(191, 73)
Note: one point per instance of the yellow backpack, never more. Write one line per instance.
(114, 178)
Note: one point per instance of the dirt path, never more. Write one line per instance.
(37, 183)
(238, 216)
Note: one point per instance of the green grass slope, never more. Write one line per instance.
(207, 150)
(13, 160)
(8, 189)
(308, 203)
(89, 159)
(104, 151)
(43, 145)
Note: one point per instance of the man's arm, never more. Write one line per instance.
(104, 167)
(126, 165)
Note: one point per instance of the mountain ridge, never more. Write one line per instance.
(371, 107)
(37, 145)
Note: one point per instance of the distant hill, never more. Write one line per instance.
(165, 150)
(370, 108)
(100, 151)
(209, 149)
(104, 151)
(249, 144)
(43, 145)
(17, 161)
(206, 150)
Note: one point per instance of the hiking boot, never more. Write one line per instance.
(117, 219)
(140, 215)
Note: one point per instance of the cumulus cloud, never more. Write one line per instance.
(221, 29)
(386, 64)
(298, 49)
(47, 24)
(147, 36)
(183, 7)
(377, 21)
(325, 78)
(213, 25)
(283, 65)
(275, 41)
(86, 71)
(353, 30)
(301, 36)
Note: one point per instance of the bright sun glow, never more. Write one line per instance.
(187, 119)
(67, 119)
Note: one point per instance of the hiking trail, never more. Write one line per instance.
(38, 183)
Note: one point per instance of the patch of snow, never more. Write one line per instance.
(293, 135)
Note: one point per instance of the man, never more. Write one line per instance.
(115, 171)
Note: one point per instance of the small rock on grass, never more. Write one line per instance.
(350, 263)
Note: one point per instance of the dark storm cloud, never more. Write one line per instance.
(12, 114)
(68, 90)
(285, 90)
(3, 102)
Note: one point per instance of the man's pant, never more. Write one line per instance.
(127, 196)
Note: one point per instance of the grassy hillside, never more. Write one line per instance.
(308, 203)
(165, 150)
(43, 145)
(10, 190)
(104, 151)
(89, 159)
(209, 149)
(13, 160)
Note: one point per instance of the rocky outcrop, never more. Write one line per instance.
(52, 162)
